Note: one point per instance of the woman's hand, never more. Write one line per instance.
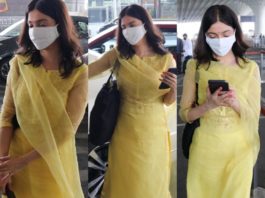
(5, 177)
(232, 101)
(12, 165)
(218, 98)
(170, 79)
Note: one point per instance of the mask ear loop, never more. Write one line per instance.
(57, 29)
(144, 27)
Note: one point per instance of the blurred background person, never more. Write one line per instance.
(179, 54)
(187, 51)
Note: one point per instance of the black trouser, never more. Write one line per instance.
(178, 62)
(185, 63)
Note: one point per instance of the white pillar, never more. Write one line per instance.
(116, 8)
(115, 14)
(259, 12)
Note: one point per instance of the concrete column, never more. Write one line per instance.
(116, 8)
(259, 12)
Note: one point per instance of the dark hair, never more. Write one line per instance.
(68, 41)
(153, 35)
(213, 14)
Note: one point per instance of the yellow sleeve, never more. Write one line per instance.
(250, 100)
(102, 64)
(250, 108)
(188, 92)
(77, 98)
(8, 107)
(172, 62)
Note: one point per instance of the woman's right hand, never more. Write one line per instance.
(5, 177)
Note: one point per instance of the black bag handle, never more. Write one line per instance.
(197, 76)
(9, 193)
(115, 67)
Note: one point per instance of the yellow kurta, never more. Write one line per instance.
(55, 173)
(139, 152)
(225, 146)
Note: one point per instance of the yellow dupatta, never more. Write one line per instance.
(145, 74)
(250, 105)
(150, 71)
(44, 121)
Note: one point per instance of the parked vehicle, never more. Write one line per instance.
(8, 41)
(110, 24)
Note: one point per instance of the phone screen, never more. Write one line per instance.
(216, 84)
(164, 85)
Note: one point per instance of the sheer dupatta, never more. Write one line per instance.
(43, 119)
(144, 74)
(250, 106)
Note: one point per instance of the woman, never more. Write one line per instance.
(45, 84)
(139, 152)
(225, 146)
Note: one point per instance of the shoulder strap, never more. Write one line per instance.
(116, 64)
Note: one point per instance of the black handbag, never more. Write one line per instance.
(187, 136)
(9, 193)
(104, 114)
(189, 128)
(15, 122)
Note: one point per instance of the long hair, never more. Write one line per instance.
(153, 35)
(68, 41)
(213, 14)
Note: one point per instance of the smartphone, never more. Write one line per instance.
(216, 84)
(164, 85)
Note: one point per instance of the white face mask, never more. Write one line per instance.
(42, 37)
(134, 34)
(221, 46)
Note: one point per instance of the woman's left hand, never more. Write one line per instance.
(12, 165)
(170, 79)
(232, 101)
